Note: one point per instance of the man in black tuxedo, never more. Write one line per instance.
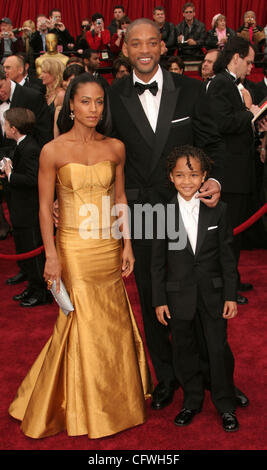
(13, 95)
(233, 120)
(16, 70)
(150, 126)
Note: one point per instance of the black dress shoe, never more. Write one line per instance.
(20, 277)
(245, 286)
(23, 295)
(163, 395)
(33, 301)
(229, 421)
(241, 399)
(241, 299)
(185, 417)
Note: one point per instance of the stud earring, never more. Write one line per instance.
(72, 115)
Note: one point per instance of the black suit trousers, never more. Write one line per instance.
(28, 239)
(157, 335)
(189, 358)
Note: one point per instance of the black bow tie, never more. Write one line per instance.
(152, 87)
(235, 80)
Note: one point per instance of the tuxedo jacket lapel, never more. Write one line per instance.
(133, 105)
(205, 215)
(167, 106)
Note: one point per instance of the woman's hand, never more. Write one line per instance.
(52, 272)
(127, 260)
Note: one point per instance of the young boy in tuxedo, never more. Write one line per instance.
(22, 180)
(194, 283)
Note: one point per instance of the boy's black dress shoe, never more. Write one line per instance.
(20, 277)
(185, 417)
(163, 394)
(241, 299)
(229, 421)
(35, 300)
(241, 399)
(23, 295)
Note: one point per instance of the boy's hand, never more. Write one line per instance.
(229, 310)
(160, 311)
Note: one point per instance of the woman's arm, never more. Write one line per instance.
(122, 211)
(46, 184)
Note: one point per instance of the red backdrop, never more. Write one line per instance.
(74, 10)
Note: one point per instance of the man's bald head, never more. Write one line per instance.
(14, 68)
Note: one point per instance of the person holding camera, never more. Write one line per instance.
(98, 37)
(9, 43)
(57, 27)
(118, 38)
(81, 44)
(251, 31)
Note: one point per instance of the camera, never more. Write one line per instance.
(98, 22)
(6, 34)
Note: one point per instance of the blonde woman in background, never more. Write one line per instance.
(52, 77)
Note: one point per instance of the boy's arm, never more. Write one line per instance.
(159, 267)
(227, 256)
(29, 177)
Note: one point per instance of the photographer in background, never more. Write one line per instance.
(81, 44)
(9, 43)
(252, 32)
(118, 38)
(37, 40)
(57, 27)
(99, 37)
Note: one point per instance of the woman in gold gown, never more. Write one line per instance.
(92, 376)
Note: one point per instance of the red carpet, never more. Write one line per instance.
(24, 332)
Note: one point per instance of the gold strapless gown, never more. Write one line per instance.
(92, 375)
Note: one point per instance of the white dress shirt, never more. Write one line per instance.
(4, 106)
(190, 213)
(150, 102)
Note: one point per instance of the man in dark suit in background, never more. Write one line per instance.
(233, 120)
(15, 69)
(13, 95)
(151, 123)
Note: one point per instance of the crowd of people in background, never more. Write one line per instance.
(43, 56)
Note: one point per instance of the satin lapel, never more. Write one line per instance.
(166, 111)
(134, 107)
(205, 214)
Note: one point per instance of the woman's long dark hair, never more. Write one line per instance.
(66, 123)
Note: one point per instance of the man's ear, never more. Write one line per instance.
(163, 48)
(171, 177)
(125, 49)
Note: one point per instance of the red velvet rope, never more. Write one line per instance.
(237, 230)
